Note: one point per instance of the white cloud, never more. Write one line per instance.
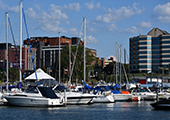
(74, 31)
(49, 21)
(5, 7)
(138, 11)
(71, 6)
(145, 24)
(14, 9)
(92, 6)
(31, 13)
(37, 6)
(67, 22)
(91, 39)
(113, 15)
(91, 30)
(111, 27)
(162, 12)
(133, 29)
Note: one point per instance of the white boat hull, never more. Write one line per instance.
(33, 101)
(122, 97)
(75, 98)
(104, 99)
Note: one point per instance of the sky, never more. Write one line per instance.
(107, 21)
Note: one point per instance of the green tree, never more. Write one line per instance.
(13, 74)
(78, 71)
(44, 69)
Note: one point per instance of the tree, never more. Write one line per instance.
(13, 74)
(78, 71)
(44, 69)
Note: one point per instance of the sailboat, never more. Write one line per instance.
(103, 94)
(76, 98)
(7, 91)
(42, 96)
(120, 95)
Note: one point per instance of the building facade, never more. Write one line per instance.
(150, 53)
(14, 57)
(48, 48)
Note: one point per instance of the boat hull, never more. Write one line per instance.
(33, 101)
(75, 98)
(135, 98)
(161, 105)
(104, 99)
(122, 97)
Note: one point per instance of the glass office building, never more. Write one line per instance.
(150, 53)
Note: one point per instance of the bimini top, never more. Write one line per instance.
(47, 92)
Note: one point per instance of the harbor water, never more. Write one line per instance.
(100, 111)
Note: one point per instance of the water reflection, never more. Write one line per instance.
(100, 111)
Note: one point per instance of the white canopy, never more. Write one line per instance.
(40, 74)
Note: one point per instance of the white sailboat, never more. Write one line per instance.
(120, 96)
(74, 98)
(104, 97)
(7, 76)
(45, 96)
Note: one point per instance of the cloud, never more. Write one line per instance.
(133, 29)
(74, 31)
(162, 12)
(111, 27)
(114, 15)
(31, 13)
(138, 11)
(92, 6)
(49, 21)
(37, 6)
(71, 6)
(5, 7)
(91, 30)
(91, 39)
(67, 22)
(14, 9)
(145, 24)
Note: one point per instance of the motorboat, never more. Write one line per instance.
(103, 93)
(42, 96)
(135, 97)
(161, 105)
(122, 97)
(144, 93)
(104, 98)
(75, 98)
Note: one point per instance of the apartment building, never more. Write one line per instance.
(150, 53)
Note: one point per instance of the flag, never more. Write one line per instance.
(66, 71)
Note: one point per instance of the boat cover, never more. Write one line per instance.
(13, 86)
(47, 92)
(86, 87)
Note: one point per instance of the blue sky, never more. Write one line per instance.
(108, 21)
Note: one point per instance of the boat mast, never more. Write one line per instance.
(59, 58)
(69, 60)
(120, 66)
(20, 42)
(84, 49)
(7, 51)
(116, 62)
